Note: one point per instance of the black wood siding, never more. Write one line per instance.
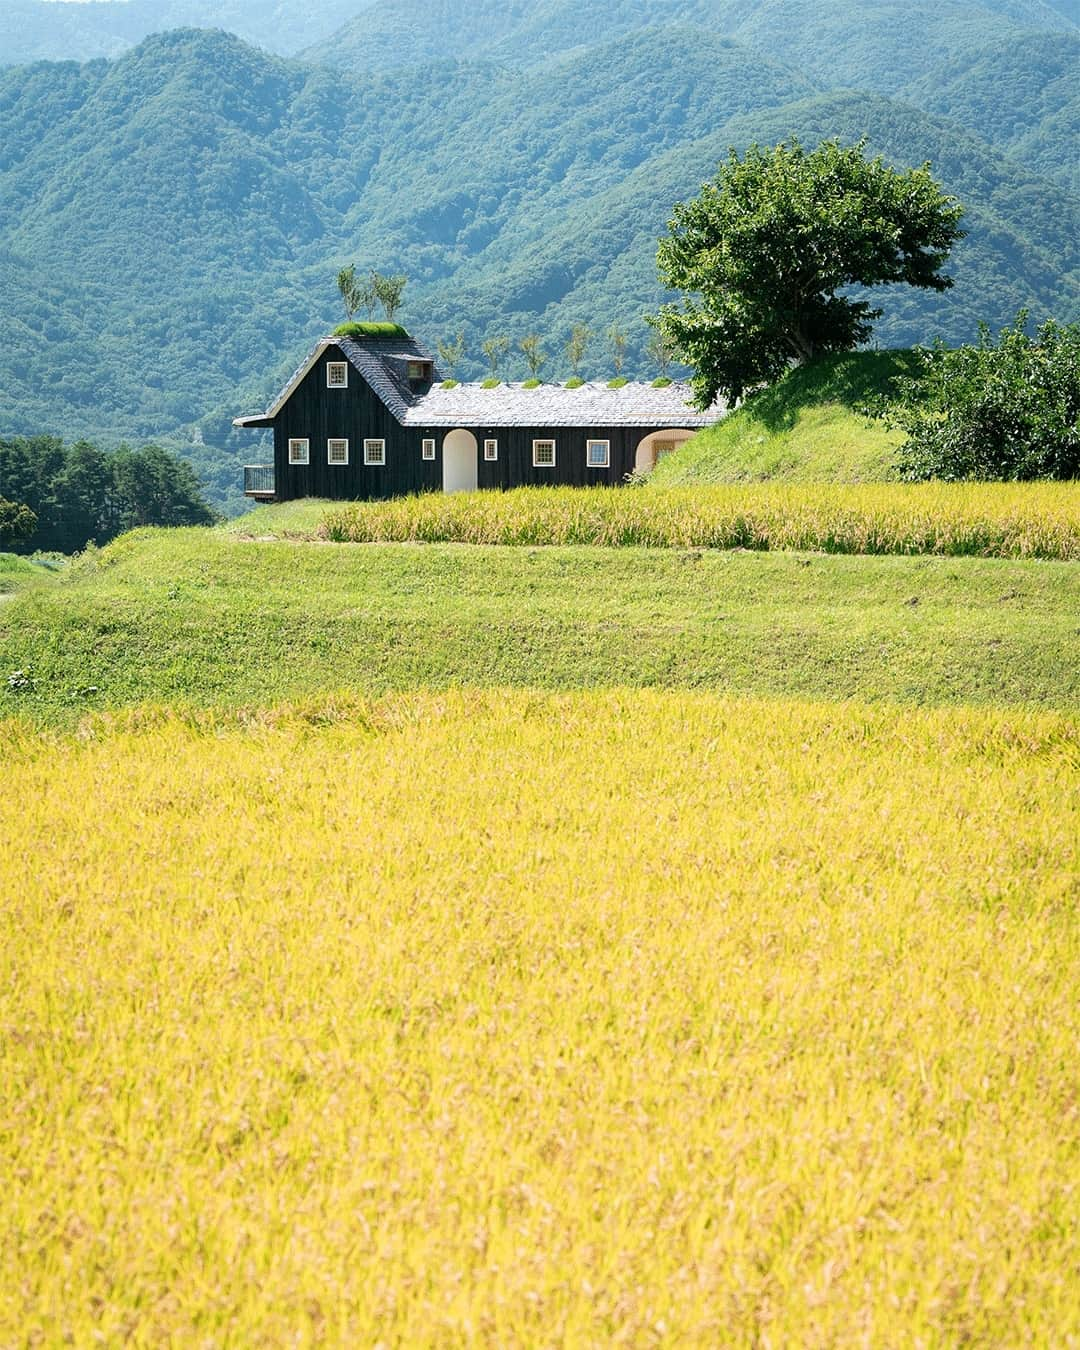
(318, 414)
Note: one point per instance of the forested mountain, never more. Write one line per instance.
(878, 46)
(1022, 95)
(171, 222)
(44, 30)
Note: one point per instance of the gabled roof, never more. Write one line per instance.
(553, 405)
(383, 362)
(380, 360)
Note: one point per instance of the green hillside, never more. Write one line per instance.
(810, 427)
(202, 617)
(1022, 95)
(866, 46)
(172, 221)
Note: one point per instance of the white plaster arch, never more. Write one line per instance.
(669, 439)
(460, 461)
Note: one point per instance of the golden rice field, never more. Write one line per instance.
(1006, 520)
(623, 1018)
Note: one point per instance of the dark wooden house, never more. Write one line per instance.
(369, 416)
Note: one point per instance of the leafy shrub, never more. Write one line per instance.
(490, 383)
(450, 384)
(662, 382)
(617, 382)
(574, 383)
(534, 383)
(1004, 410)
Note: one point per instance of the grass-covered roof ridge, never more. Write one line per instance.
(368, 329)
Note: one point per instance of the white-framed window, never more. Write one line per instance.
(598, 454)
(337, 451)
(491, 449)
(543, 454)
(337, 374)
(427, 449)
(374, 452)
(299, 451)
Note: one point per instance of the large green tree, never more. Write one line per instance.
(763, 252)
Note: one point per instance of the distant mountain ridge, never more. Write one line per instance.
(45, 30)
(171, 222)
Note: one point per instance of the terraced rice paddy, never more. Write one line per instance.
(507, 1018)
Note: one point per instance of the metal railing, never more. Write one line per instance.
(258, 480)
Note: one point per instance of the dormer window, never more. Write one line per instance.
(418, 372)
(337, 374)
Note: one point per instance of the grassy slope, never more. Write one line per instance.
(195, 615)
(19, 574)
(807, 428)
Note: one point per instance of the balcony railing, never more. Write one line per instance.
(258, 480)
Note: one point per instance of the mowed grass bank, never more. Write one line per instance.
(515, 1019)
(810, 426)
(199, 617)
(1007, 520)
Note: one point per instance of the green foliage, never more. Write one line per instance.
(451, 352)
(80, 493)
(495, 349)
(534, 383)
(811, 426)
(17, 523)
(662, 382)
(770, 242)
(618, 382)
(389, 292)
(617, 340)
(575, 383)
(577, 346)
(490, 384)
(354, 292)
(450, 384)
(376, 330)
(1008, 409)
(534, 354)
(203, 618)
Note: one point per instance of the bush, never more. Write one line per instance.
(534, 383)
(662, 382)
(1004, 410)
(490, 384)
(575, 383)
(618, 382)
(449, 384)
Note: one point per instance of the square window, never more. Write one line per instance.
(337, 452)
(418, 370)
(374, 452)
(598, 454)
(299, 451)
(491, 449)
(337, 375)
(543, 454)
(427, 449)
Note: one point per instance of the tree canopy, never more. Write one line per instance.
(1008, 409)
(763, 252)
(79, 493)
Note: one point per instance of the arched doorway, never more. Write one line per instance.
(659, 443)
(460, 465)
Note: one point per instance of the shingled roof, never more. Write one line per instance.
(382, 362)
(553, 405)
